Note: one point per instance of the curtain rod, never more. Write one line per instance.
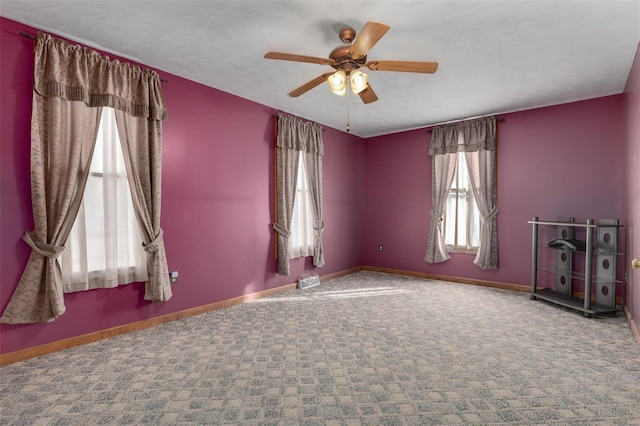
(29, 36)
(32, 37)
(459, 121)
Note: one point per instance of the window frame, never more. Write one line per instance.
(134, 268)
(303, 188)
(471, 209)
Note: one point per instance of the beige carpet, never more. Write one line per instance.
(364, 349)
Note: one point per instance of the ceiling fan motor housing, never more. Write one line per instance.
(342, 60)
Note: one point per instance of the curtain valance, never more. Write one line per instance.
(477, 135)
(77, 73)
(299, 135)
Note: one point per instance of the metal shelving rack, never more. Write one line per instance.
(606, 252)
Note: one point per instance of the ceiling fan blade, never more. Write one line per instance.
(368, 36)
(298, 58)
(368, 95)
(309, 85)
(403, 66)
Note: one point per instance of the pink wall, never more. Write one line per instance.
(632, 187)
(217, 202)
(563, 160)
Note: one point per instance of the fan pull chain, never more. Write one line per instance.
(348, 102)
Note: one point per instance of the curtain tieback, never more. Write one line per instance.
(47, 250)
(282, 231)
(153, 246)
(436, 217)
(318, 230)
(492, 214)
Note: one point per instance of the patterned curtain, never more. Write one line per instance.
(141, 141)
(295, 135)
(71, 84)
(442, 172)
(480, 152)
(479, 146)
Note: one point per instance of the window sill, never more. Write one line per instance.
(462, 251)
(302, 256)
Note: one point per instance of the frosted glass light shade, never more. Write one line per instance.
(338, 82)
(358, 81)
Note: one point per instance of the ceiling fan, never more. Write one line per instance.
(347, 58)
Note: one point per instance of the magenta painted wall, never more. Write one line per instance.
(563, 160)
(217, 202)
(566, 160)
(632, 187)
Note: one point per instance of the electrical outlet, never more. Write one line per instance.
(380, 247)
(173, 277)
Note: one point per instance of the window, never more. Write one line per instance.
(461, 217)
(104, 248)
(462, 188)
(301, 239)
(298, 205)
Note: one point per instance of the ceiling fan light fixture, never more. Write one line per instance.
(359, 81)
(338, 82)
(348, 58)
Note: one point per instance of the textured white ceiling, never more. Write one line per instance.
(494, 56)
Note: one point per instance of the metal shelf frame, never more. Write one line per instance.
(585, 304)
